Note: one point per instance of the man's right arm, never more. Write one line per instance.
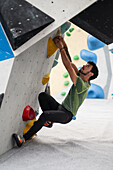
(68, 66)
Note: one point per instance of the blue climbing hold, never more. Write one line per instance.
(95, 91)
(74, 118)
(94, 43)
(88, 56)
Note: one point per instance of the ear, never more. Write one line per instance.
(89, 75)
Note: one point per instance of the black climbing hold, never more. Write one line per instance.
(21, 21)
(97, 20)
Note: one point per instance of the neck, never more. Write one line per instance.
(83, 77)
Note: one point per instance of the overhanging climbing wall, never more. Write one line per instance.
(25, 83)
(30, 65)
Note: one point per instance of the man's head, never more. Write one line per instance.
(89, 71)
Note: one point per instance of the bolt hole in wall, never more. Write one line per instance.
(77, 40)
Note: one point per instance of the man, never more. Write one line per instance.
(63, 113)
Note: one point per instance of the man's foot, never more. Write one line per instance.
(48, 124)
(18, 139)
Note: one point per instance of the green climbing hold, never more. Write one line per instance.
(66, 83)
(66, 74)
(55, 63)
(36, 113)
(76, 57)
(71, 29)
(63, 93)
(68, 34)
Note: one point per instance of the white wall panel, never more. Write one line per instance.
(25, 83)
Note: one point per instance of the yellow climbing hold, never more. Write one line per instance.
(51, 48)
(58, 33)
(45, 79)
(28, 126)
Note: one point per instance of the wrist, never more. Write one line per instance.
(61, 49)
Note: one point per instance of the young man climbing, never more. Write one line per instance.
(63, 113)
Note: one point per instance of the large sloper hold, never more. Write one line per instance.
(97, 20)
(21, 21)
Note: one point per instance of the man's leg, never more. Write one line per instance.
(47, 102)
(55, 116)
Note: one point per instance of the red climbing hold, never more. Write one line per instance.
(28, 113)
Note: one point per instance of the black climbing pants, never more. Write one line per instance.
(52, 111)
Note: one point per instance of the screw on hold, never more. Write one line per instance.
(71, 29)
(76, 57)
(68, 34)
(63, 93)
(74, 118)
(66, 83)
(66, 74)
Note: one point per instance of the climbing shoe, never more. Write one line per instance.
(48, 124)
(18, 139)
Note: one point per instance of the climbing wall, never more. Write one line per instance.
(31, 62)
(25, 83)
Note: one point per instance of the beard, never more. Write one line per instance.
(82, 72)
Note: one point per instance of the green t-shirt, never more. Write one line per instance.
(76, 95)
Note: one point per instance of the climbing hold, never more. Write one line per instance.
(71, 29)
(28, 126)
(65, 27)
(63, 93)
(51, 48)
(66, 74)
(88, 56)
(66, 83)
(28, 113)
(68, 34)
(55, 63)
(74, 118)
(95, 91)
(45, 79)
(58, 33)
(94, 43)
(76, 57)
(36, 113)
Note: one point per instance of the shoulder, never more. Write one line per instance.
(81, 85)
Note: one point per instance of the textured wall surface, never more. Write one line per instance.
(25, 83)
(29, 67)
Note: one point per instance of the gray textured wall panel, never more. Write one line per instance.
(25, 83)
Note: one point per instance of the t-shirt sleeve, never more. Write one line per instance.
(81, 85)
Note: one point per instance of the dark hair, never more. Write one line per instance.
(94, 70)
